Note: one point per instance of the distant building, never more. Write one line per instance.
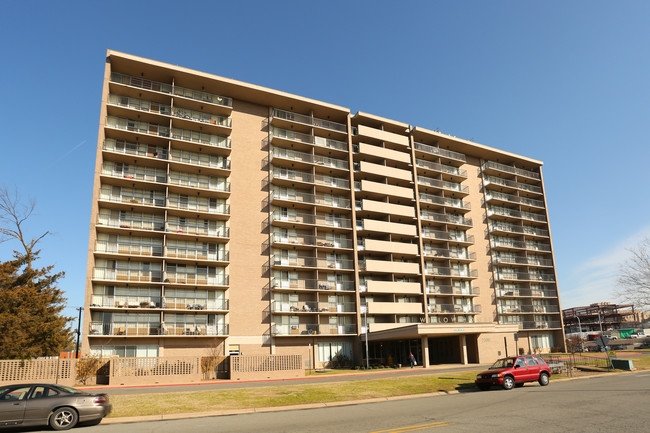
(601, 316)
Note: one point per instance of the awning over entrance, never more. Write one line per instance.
(418, 330)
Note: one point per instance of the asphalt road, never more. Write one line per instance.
(616, 403)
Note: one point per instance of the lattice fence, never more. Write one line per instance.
(38, 370)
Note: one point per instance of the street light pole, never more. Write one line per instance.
(365, 319)
(76, 350)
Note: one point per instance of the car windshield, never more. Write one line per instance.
(503, 363)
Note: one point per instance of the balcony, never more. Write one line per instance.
(313, 140)
(196, 279)
(444, 253)
(198, 95)
(195, 304)
(200, 138)
(310, 262)
(313, 329)
(200, 159)
(137, 126)
(523, 276)
(442, 271)
(540, 325)
(495, 166)
(311, 284)
(136, 149)
(452, 290)
(125, 329)
(447, 236)
(149, 223)
(195, 330)
(196, 227)
(133, 249)
(488, 180)
(310, 240)
(202, 116)
(176, 202)
(196, 254)
(435, 150)
(291, 155)
(444, 201)
(308, 120)
(441, 168)
(127, 275)
(211, 183)
(446, 218)
(311, 219)
(443, 184)
(126, 301)
(516, 309)
(315, 199)
(293, 307)
(521, 260)
(503, 292)
(301, 176)
(453, 309)
(503, 211)
(134, 172)
(141, 83)
(139, 104)
(511, 228)
(501, 242)
(499, 196)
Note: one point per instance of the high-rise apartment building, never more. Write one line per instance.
(233, 218)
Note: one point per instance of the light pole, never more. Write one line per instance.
(76, 350)
(365, 319)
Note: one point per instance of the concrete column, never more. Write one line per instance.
(463, 349)
(425, 351)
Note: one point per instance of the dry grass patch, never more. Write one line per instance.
(273, 396)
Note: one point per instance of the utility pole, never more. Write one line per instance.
(76, 350)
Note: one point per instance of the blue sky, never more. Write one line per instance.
(565, 82)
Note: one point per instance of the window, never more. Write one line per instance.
(327, 351)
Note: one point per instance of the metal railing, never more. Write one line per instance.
(511, 228)
(199, 279)
(308, 139)
(310, 240)
(306, 218)
(453, 309)
(510, 169)
(127, 274)
(444, 201)
(442, 168)
(137, 126)
(494, 195)
(308, 120)
(451, 290)
(442, 184)
(447, 236)
(319, 199)
(311, 262)
(302, 176)
(441, 152)
(202, 159)
(133, 248)
(524, 292)
(200, 137)
(291, 155)
(449, 254)
(202, 116)
(512, 184)
(311, 284)
(446, 218)
(450, 272)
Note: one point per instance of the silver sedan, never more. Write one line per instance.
(60, 407)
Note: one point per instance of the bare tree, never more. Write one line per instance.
(13, 216)
(634, 276)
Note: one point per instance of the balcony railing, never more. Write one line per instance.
(190, 329)
(442, 168)
(447, 236)
(142, 224)
(497, 242)
(318, 199)
(446, 218)
(451, 290)
(438, 151)
(202, 116)
(291, 155)
(450, 272)
(211, 183)
(449, 254)
(202, 159)
(137, 126)
(494, 195)
(503, 211)
(307, 218)
(453, 309)
(521, 260)
(127, 274)
(199, 279)
(301, 176)
(146, 174)
(524, 276)
(196, 254)
(125, 329)
(312, 329)
(525, 292)
(141, 83)
(514, 309)
(444, 201)
(194, 304)
(198, 95)
(310, 240)
(443, 184)
(134, 249)
(198, 229)
(311, 284)
(139, 104)
(311, 262)
(510, 169)
(511, 228)
(200, 137)
(219, 208)
(512, 184)
(308, 139)
(126, 301)
(138, 149)
(308, 120)
(540, 325)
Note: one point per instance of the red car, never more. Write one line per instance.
(514, 371)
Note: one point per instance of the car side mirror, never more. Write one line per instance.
(517, 366)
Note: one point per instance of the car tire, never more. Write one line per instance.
(63, 418)
(519, 385)
(484, 387)
(508, 383)
(543, 379)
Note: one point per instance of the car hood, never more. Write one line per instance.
(495, 370)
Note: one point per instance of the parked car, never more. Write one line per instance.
(514, 371)
(58, 406)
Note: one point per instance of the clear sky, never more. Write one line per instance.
(565, 82)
